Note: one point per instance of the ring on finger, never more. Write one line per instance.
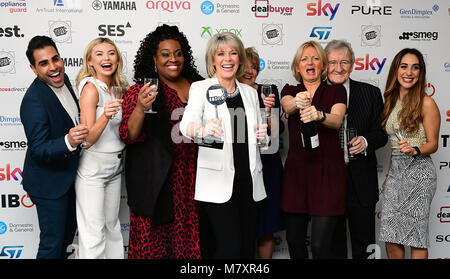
(77, 133)
(311, 117)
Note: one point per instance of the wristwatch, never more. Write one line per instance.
(418, 152)
(323, 117)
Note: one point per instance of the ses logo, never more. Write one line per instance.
(17, 6)
(11, 252)
(262, 8)
(366, 64)
(168, 6)
(320, 32)
(316, 9)
(113, 30)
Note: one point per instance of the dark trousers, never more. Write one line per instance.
(361, 223)
(57, 223)
(234, 224)
(323, 236)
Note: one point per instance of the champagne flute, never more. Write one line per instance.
(266, 90)
(81, 119)
(351, 133)
(153, 82)
(397, 131)
(261, 142)
(117, 93)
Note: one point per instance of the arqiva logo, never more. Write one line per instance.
(168, 6)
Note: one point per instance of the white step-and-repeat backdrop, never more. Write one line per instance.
(377, 30)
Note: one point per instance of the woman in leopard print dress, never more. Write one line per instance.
(160, 165)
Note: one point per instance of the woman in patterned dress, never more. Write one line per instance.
(160, 165)
(412, 121)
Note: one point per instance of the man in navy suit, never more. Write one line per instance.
(364, 108)
(48, 112)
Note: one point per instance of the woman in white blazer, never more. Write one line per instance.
(229, 178)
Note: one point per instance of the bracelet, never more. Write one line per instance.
(418, 152)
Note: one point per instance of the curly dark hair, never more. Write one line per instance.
(144, 66)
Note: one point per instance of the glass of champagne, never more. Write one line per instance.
(81, 119)
(261, 142)
(266, 90)
(351, 133)
(117, 93)
(153, 82)
(397, 131)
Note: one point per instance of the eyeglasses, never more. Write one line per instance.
(343, 63)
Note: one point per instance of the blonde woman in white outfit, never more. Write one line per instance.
(98, 181)
(229, 180)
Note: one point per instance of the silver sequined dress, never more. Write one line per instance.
(410, 187)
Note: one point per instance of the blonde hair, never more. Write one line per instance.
(233, 41)
(298, 56)
(117, 79)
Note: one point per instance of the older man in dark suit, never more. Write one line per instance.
(364, 108)
(48, 112)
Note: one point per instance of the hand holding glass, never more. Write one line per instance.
(351, 133)
(397, 131)
(153, 82)
(117, 93)
(261, 142)
(81, 119)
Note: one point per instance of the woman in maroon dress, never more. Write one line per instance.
(314, 183)
(160, 165)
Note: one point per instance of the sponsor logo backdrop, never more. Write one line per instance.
(377, 30)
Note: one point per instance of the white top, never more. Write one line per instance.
(109, 140)
(68, 103)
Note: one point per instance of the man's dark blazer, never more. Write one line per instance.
(364, 113)
(49, 168)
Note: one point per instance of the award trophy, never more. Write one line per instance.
(216, 95)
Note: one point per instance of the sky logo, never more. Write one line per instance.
(207, 7)
(363, 63)
(317, 9)
(322, 33)
(7, 174)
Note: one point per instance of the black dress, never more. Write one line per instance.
(270, 213)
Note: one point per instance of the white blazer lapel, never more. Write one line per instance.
(251, 114)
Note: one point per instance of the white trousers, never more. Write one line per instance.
(98, 189)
